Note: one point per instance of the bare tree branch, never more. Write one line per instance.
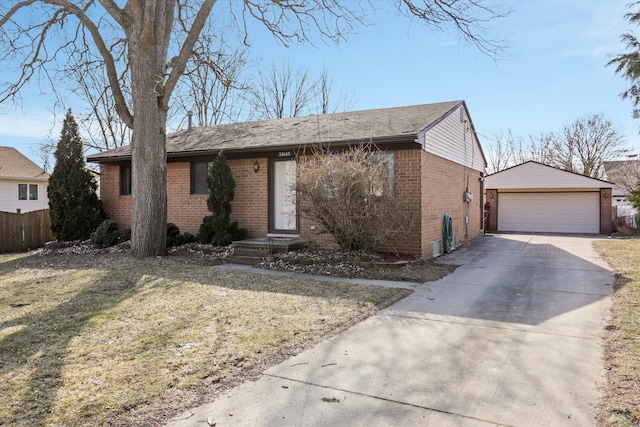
(469, 18)
(213, 81)
(283, 92)
(180, 62)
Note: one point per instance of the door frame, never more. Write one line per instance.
(271, 197)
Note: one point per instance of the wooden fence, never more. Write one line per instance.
(24, 231)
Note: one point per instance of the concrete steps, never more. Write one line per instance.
(254, 251)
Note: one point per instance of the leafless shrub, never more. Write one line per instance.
(350, 195)
(628, 225)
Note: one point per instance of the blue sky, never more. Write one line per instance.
(553, 73)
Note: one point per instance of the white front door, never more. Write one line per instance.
(284, 215)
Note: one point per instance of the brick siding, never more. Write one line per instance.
(492, 206)
(443, 185)
(605, 211)
(116, 207)
(435, 192)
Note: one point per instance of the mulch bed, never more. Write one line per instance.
(311, 260)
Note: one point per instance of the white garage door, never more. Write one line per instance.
(549, 212)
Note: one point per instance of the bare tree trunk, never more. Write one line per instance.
(147, 53)
(148, 168)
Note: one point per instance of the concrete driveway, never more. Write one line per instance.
(513, 337)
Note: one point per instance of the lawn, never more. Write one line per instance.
(112, 340)
(621, 405)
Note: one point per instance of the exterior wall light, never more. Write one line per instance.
(256, 166)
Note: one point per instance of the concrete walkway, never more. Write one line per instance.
(513, 337)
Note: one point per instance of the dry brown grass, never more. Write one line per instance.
(112, 340)
(621, 406)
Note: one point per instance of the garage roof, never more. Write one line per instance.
(537, 175)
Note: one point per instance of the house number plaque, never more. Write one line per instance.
(284, 154)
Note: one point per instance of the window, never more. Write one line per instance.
(33, 192)
(382, 183)
(22, 191)
(199, 173)
(368, 174)
(27, 191)
(125, 180)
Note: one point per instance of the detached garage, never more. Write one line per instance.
(533, 197)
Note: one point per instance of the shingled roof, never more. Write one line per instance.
(380, 125)
(14, 165)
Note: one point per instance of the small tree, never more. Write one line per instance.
(350, 194)
(74, 208)
(217, 228)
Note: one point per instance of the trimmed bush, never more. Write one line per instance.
(217, 229)
(211, 234)
(174, 238)
(125, 235)
(106, 234)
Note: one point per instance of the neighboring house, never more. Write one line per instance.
(23, 184)
(533, 197)
(438, 165)
(625, 174)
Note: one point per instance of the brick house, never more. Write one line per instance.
(437, 158)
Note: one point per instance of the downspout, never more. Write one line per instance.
(465, 209)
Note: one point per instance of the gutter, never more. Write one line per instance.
(265, 150)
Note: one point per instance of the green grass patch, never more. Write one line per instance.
(621, 406)
(113, 340)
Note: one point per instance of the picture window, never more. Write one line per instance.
(27, 191)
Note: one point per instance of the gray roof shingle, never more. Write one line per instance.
(357, 126)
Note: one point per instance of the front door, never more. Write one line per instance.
(283, 212)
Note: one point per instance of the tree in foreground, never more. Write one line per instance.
(350, 194)
(158, 39)
(74, 208)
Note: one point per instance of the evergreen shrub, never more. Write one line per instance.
(74, 208)
(106, 234)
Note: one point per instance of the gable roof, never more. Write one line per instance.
(379, 125)
(532, 175)
(14, 165)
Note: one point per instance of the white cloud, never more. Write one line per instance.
(28, 124)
